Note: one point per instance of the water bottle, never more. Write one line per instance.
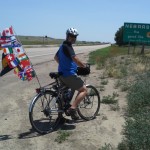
(68, 95)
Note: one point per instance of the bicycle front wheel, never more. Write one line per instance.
(44, 112)
(89, 107)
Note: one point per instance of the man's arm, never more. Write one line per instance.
(56, 59)
(69, 51)
(77, 61)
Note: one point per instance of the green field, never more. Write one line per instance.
(41, 40)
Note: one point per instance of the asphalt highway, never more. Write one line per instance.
(44, 54)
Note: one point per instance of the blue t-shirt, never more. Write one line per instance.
(66, 65)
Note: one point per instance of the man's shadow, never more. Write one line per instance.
(64, 124)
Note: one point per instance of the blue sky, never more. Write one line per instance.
(96, 20)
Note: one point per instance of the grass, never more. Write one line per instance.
(100, 56)
(106, 147)
(102, 88)
(122, 66)
(62, 136)
(125, 86)
(110, 99)
(42, 40)
(104, 81)
(117, 84)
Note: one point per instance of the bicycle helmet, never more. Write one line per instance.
(72, 31)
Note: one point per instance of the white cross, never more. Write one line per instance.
(10, 57)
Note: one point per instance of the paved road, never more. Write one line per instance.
(38, 55)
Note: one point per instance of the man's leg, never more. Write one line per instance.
(72, 110)
(82, 93)
(75, 83)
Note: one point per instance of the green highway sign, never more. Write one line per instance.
(136, 32)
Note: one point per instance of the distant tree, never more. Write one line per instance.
(119, 40)
(119, 36)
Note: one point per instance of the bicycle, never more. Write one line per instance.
(52, 100)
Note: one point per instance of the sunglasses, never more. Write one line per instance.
(73, 36)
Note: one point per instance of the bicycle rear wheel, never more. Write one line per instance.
(44, 112)
(89, 107)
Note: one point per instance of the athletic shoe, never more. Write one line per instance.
(73, 113)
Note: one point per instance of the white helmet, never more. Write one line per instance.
(72, 31)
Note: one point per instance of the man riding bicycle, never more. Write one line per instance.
(67, 65)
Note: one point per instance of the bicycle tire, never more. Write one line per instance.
(49, 120)
(89, 107)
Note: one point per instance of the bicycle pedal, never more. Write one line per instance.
(66, 113)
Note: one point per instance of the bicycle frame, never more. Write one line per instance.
(55, 88)
(44, 88)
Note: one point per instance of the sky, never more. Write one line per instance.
(95, 20)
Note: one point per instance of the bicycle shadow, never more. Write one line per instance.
(32, 133)
(29, 134)
(5, 137)
(63, 125)
(69, 124)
